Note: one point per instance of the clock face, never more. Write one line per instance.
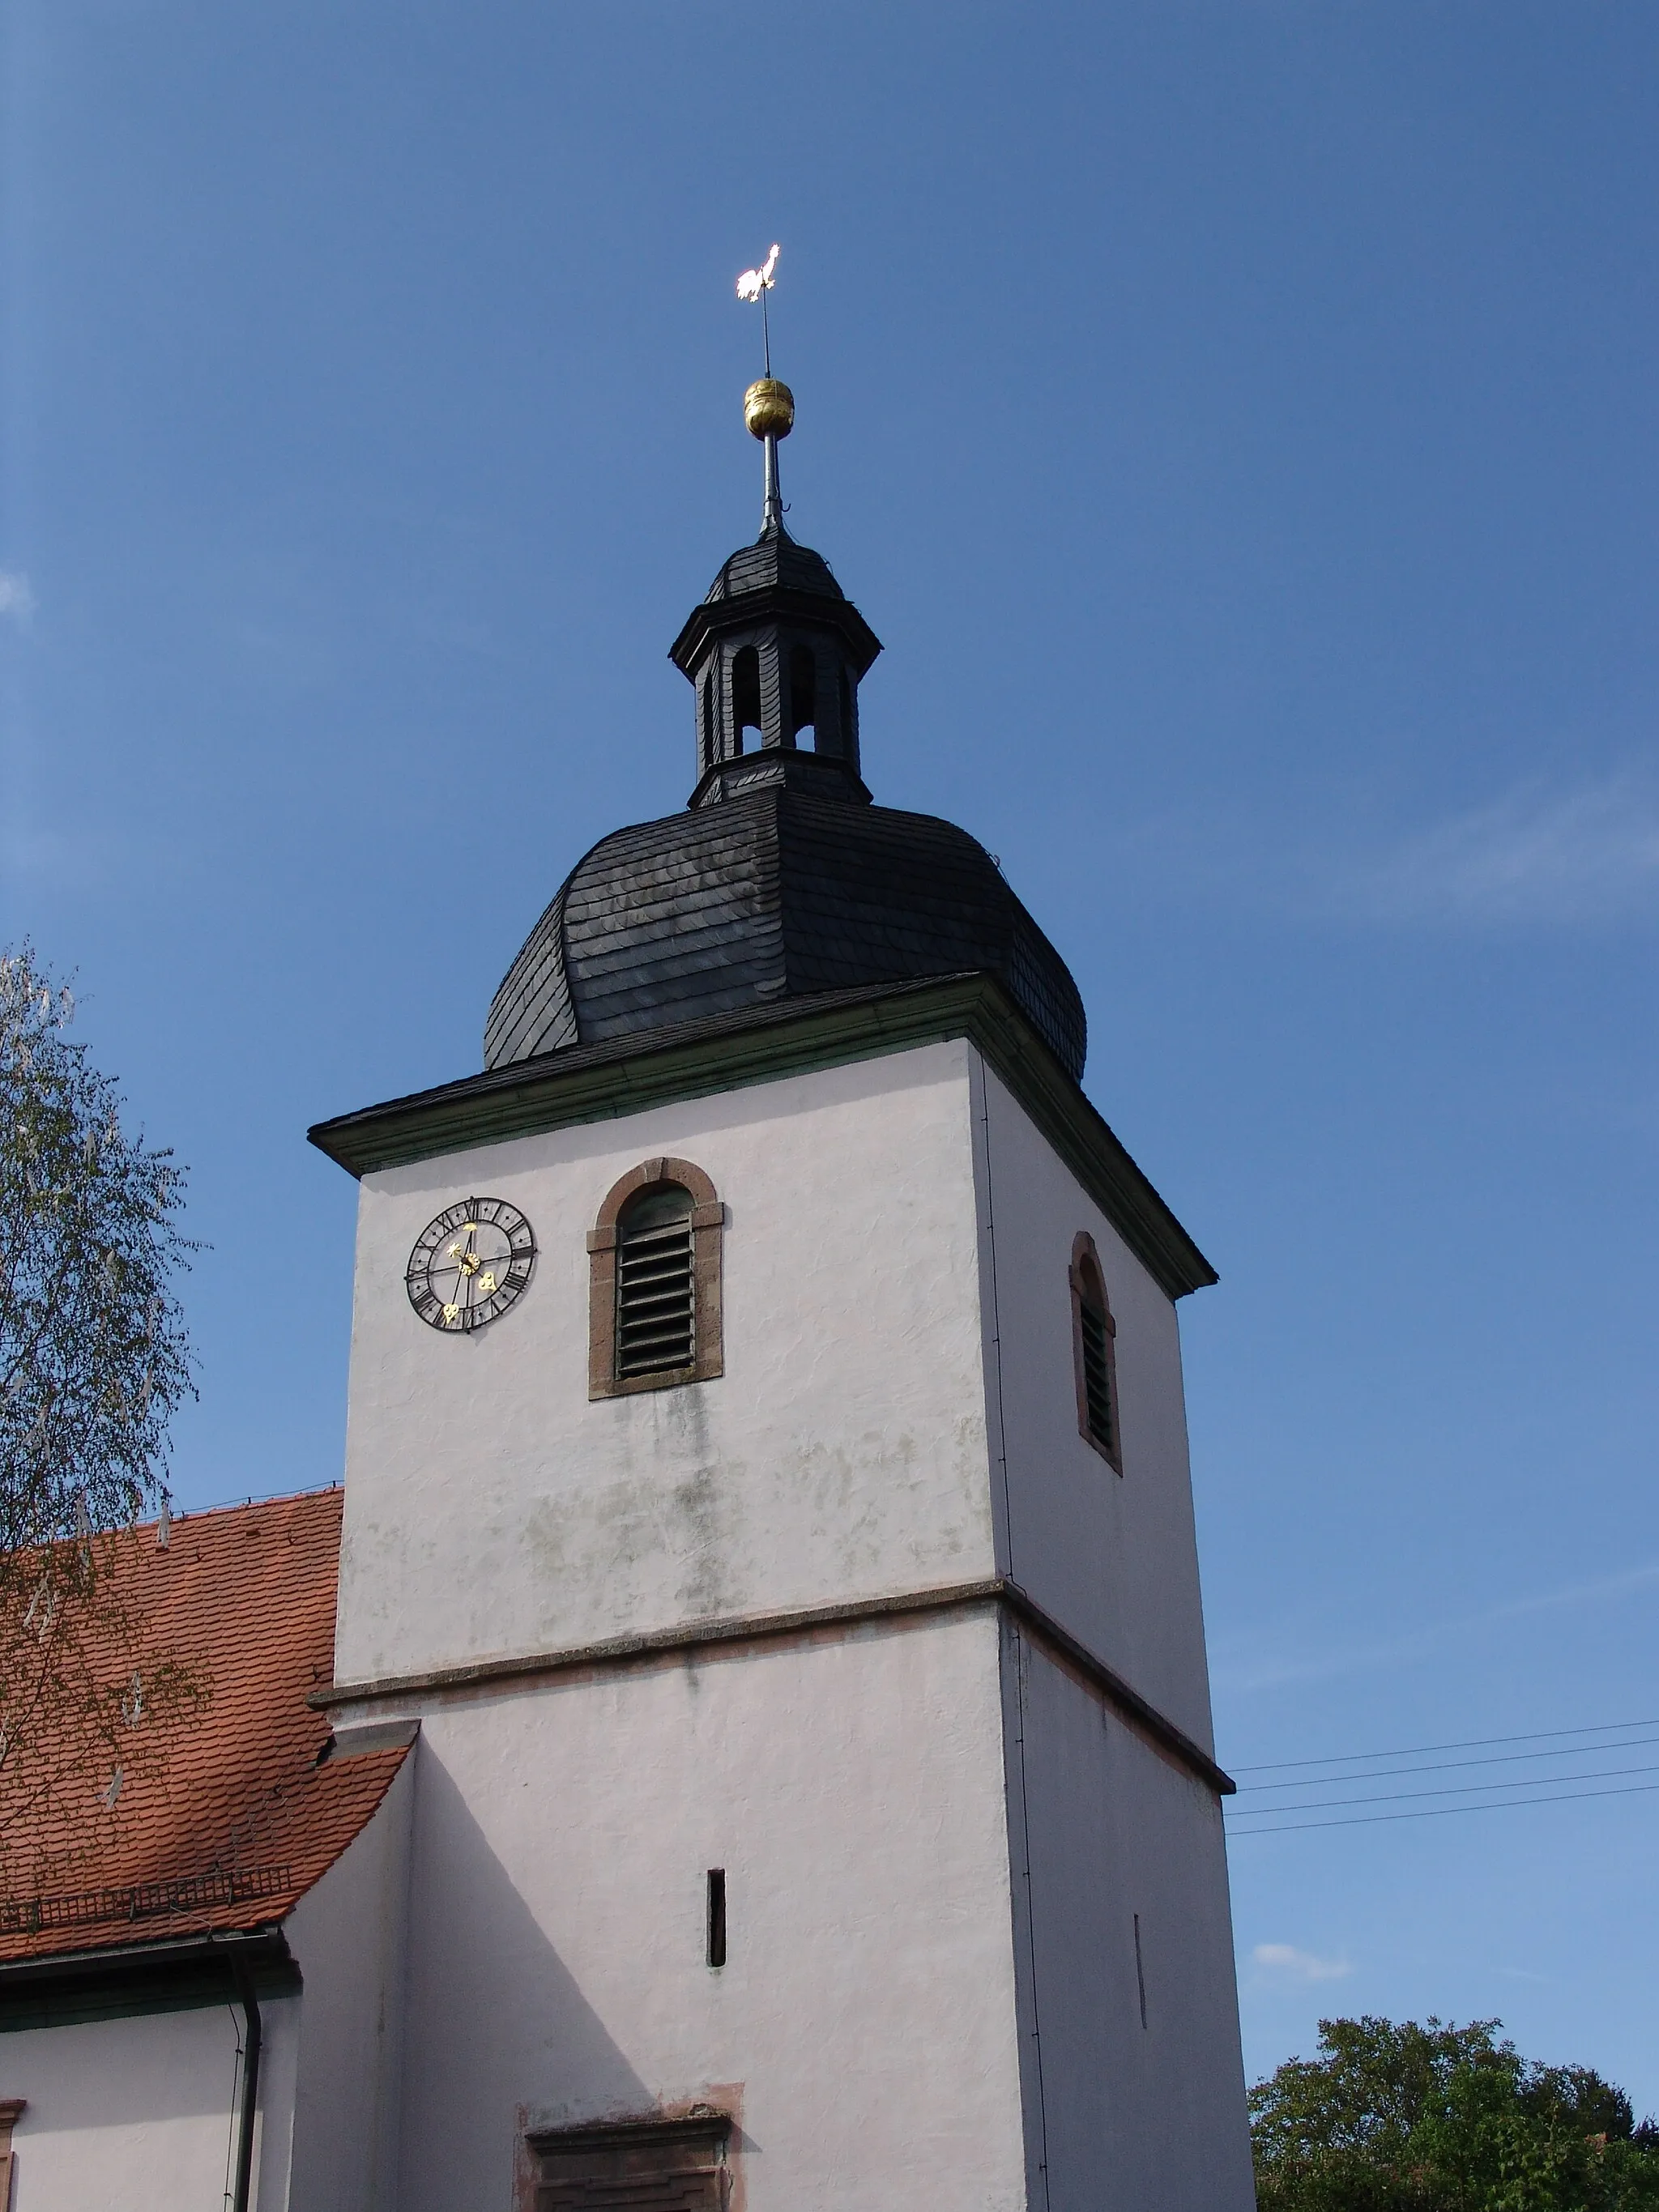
(470, 1264)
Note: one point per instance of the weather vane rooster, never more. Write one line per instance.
(755, 284)
(768, 407)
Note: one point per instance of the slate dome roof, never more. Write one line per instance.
(770, 896)
(773, 561)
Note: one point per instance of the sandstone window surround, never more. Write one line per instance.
(640, 2166)
(1094, 1354)
(11, 2111)
(618, 1360)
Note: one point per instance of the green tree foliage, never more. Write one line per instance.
(93, 1361)
(1393, 2116)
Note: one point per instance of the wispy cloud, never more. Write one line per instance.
(1249, 1662)
(1533, 855)
(1538, 854)
(17, 601)
(1283, 1962)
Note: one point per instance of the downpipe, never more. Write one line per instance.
(250, 2004)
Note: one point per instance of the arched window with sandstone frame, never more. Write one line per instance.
(654, 1291)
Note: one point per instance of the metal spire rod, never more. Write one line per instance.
(768, 407)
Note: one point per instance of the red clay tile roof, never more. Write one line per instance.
(230, 1818)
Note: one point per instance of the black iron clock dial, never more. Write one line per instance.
(470, 1264)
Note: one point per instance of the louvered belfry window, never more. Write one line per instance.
(654, 1283)
(1096, 1384)
(1094, 1351)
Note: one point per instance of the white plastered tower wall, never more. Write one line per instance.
(344, 2067)
(862, 2030)
(845, 1775)
(492, 1508)
(1113, 1557)
(1135, 2090)
(927, 1822)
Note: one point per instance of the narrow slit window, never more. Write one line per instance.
(1141, 1972)
(717, 1916)
(1093, 1338)
(656, 1284)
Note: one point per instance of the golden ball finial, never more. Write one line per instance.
(769, 408)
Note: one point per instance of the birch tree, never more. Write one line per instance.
(95, 1360)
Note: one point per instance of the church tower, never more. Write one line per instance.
(768, 1513)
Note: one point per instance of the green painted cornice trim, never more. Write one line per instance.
(127, 1981)
(602, 1082)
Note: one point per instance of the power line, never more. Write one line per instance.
(1442, 1766)
(1442, 1812)
(1452, 1790)
(1469, 1743)
(1306, 1774)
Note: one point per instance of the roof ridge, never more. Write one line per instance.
(241, 1505)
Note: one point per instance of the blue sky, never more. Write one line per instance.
(1238, 422)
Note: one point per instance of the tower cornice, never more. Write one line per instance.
(355, 1702)
(727, 1052)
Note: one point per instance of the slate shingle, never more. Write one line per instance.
(779, 894)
